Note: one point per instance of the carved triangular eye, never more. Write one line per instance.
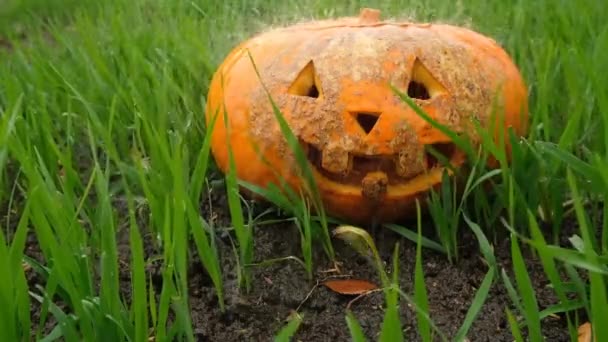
(417, 90)
(423, 85)
(306, 83)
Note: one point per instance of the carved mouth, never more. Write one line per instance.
(377, 176)
(362, 165)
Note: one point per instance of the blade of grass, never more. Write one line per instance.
(201, 165)
(526, 290)
(356, 332)
(110, 303)
(391, 329)
(7, 124)
(14, 296)
(412, 236)
(305, 225)
(243, 232)
(514, 326)
(484, 245)
(139, 310)
(287, 332)
(598, 297)
(476, 304)
(206, 251)
(420, 295)
(391, 326)
(180, 232)
(66, 323)
(578, 165)
(549, 265)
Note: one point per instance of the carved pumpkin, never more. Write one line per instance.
(332, 82)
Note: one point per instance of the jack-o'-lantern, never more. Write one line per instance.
(332, 82)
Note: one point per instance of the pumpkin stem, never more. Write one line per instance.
(369, 16)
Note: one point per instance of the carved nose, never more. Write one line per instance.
(366, 120)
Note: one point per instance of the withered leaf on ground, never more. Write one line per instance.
(350, 286)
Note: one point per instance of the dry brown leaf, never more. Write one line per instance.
(584, 333)
(350, 286)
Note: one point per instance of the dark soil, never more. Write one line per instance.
(281, 288)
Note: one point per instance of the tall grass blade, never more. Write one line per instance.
(598, 297)
(526, 290)
(581, 167)
(139, 306)
(14, 297)
(476, 304)
(7, 125)
(243, 231)
(206, 251)
(412, 236)
(356, 332)
(286, 333)
(201, 164)
(391, 325)
(484, 245)
(420, 294)
(514, 326)
(110, 302)
(549, 264)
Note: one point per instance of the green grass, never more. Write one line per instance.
(101, 103)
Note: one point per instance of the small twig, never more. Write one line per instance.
(361, 296)
(334, 269)
(307, 296)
